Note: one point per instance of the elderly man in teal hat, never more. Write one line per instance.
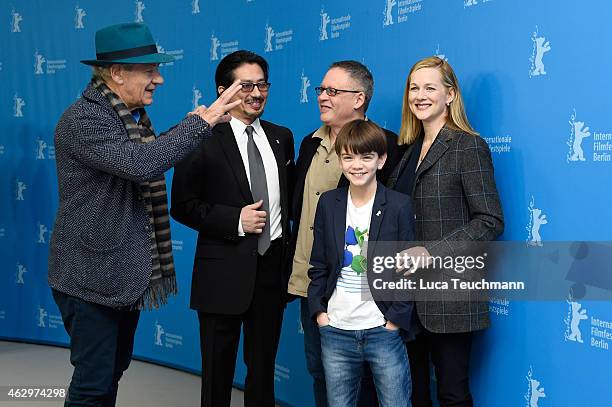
(111, 251)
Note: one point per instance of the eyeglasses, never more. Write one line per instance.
(249, 86)
(333, 91)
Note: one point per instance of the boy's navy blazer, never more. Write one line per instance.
(392, 220)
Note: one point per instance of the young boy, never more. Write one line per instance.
(354, 329)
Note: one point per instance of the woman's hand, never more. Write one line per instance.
(412, 259)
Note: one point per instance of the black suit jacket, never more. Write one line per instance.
(209, 189)
(391, 221)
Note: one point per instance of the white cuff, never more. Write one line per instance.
(240, 229)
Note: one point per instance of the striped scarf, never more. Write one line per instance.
(163, 277)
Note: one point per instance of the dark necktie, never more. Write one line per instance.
(259, 188)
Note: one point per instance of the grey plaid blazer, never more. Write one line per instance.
(455, 202)
(100, 246)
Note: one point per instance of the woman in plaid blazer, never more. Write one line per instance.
(448, 171)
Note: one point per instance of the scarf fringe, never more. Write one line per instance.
(157, 293)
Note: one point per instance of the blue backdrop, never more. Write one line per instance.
(535, 77)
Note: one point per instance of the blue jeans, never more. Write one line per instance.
(344, 353)
(101, 343)
(312, 349)
(314, 364)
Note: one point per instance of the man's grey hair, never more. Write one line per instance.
(102, 72)
(361, 75)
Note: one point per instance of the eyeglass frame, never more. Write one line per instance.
(319, 91)
(255, 84)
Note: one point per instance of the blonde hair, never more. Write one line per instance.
(411, 126)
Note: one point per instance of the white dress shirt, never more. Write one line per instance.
(269, 161)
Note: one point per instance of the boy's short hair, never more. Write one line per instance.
(361, 137)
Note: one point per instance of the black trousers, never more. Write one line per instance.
(450, 356)
(101, 343)
(261, 325)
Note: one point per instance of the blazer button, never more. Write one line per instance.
(254, 253)
(318, 193)
(311, 228)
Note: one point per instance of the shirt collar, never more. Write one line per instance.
(323, 133)
(238, 127)
(326, 140)
(136, 115)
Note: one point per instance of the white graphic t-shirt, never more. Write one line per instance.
(351, 306)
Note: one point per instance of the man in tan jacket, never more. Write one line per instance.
(343, 96)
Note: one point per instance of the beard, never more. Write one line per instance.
(254, 114)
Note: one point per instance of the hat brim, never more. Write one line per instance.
(143, 59)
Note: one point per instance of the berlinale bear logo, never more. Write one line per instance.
(540, 47)
(577, 134)
(304, 88)
(269, 36)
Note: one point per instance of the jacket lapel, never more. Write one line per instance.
(436, 151)
(230, 147)
(378, 212)
(304, 159)
(94, 95)
(340, 223)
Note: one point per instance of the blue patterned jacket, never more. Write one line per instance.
(100, 246)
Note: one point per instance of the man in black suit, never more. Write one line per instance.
(234, 192)
(343, 96)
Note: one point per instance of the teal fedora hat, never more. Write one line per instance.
(129, 43)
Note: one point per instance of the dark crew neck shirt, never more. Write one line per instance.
(407, 176)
